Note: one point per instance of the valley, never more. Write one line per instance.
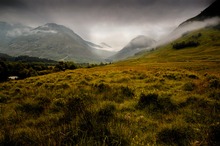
(140, 101)
(150, 93)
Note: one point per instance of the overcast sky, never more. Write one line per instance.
(114, 22)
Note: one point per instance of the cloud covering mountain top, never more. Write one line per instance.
(115, 22)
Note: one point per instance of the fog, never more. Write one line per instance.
(115, 22)
(189, 26)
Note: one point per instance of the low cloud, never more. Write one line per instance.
(115, 22)
(187, 27)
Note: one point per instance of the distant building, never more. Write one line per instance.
(13, 77)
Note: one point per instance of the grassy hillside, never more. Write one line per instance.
(207, 50)
(166, 97)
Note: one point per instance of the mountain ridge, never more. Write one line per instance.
(50, 41)
(210, 12)
(136, 45)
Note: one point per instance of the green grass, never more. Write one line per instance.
(208, 49)
(144, 101)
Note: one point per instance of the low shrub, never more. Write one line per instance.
(183, 45)
(126, 91)
(3, 99)
(215, 95)
(106, 113)
(146, 100)
(75, 106)
(214, 83)
(57, 105)
(30, 108)
(189, 101)
(191, 76)
(102, 87)
(45, 101)
(189, 86)
(171, 76)
(155, 103)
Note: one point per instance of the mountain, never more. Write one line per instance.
(136, 45)
(210, 17)
(102, 50)
(51, 41)
(198, 45)
(10, 31)
(209, 12)
(93, 45)
(104, 45)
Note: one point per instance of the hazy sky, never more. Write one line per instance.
(114, 22)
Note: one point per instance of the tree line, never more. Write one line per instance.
(25, 66)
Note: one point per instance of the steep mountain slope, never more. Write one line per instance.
(210, 17)
(52, 41)
(10, 31)
(212, 11)
(135, 45)
(199, 45)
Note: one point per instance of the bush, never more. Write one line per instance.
(189, 101)
(75, 105)
(146, 100)
(215, 95)
(171, 76)
(193, 76)
(34, 109)
(126, 91)
(183, 44)
(214, 83)
(102, 87)
(3, 99)
(106, 113)
(45, 101)
(189, 86)
(180, 136)
(58, 104)
(154, 103)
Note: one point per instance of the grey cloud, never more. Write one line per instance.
(12, 3)
(105, 20)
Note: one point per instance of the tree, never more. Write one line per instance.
(3, 71)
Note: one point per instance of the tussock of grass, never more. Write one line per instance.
(180, 136)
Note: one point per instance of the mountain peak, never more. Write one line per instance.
(209, 12)
(141, 41)
(212, 10)
(50, 26)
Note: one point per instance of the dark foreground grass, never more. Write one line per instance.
(144, 104)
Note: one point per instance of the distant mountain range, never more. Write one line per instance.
(58, 42)
(51, 41)
(102, 50)
(134, 46)
(208, 17)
